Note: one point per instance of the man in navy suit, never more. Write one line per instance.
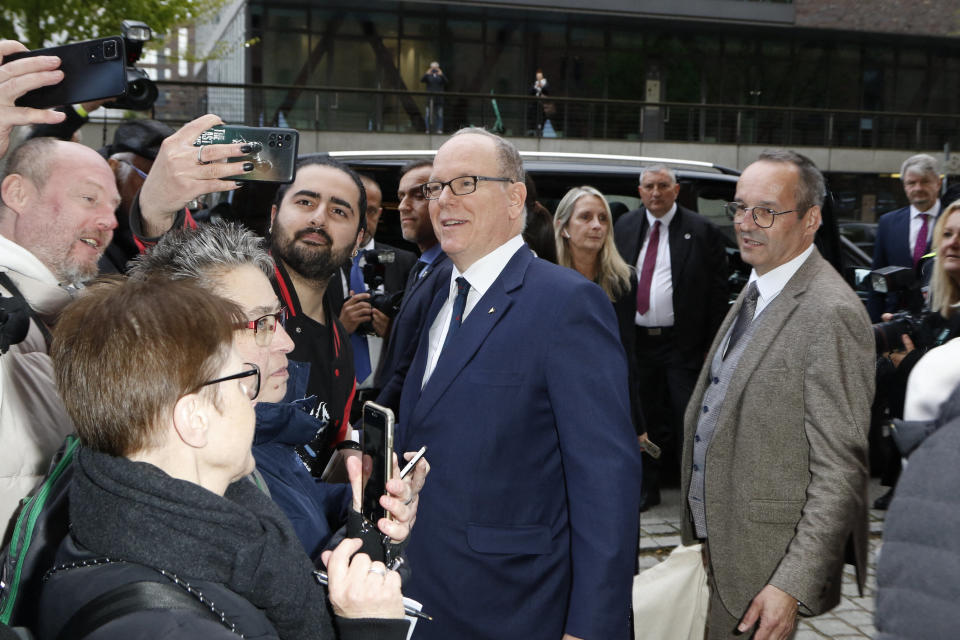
(519, 390)
(429, 275)
(903, 235)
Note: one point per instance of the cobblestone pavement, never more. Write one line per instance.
(852, 619)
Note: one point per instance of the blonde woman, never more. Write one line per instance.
(583, 228)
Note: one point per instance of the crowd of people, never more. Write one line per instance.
(214, 385)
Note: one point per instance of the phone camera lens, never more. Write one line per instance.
(287, 137)
(273, 143)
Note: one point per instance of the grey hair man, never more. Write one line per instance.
(775, 448)
(904, 235)
(501, 358)
(682, 296)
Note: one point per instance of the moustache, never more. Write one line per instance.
(317, 230)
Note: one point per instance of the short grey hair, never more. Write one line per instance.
(920, 163)
(811, 187)
(508, 158)
(658, 168)
(203, 254)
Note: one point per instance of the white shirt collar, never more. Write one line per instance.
(770, 284)
(933, 211)
(484, 271)
(664, 219)
(368, 246)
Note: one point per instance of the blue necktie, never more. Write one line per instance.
(361, 351)
(459, 304)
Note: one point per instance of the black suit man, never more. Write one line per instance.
(903, 235)
(430, 274)
(349, 300)
(681, 300)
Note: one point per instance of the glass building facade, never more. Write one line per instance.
(389, 45)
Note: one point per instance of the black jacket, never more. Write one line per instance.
(699, 271)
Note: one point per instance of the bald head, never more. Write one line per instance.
(58, 203)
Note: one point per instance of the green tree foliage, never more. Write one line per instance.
(43, 23)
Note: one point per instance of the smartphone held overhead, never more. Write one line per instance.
(92, 70)
(274, 153)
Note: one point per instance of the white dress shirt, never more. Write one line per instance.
(770, 284)
(481, 274)
(660, 313)
(916, 222)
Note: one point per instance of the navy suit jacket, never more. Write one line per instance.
(405, 331)
(892, 248)
(527, 526)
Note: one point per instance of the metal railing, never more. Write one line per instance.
(397, 111)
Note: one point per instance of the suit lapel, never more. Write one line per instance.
(771, 321)
(487, 313)
(679, 246)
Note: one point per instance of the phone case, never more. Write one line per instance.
(383, 468)
(276, 159)
(92, 69)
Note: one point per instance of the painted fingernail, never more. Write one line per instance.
(251, 146)
(248, 166)
(238, 183)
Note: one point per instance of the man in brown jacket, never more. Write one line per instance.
(775, 451)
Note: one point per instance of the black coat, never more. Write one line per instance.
(699, 271)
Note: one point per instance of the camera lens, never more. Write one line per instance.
(109, 49)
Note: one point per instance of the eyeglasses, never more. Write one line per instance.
(762, 216)
(265, 326)
(462, 186)
(252, 390)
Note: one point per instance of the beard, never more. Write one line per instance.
(311, 262)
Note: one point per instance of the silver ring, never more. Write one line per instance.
(200, 159)
(378, 571)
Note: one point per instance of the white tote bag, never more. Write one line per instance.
(670, 599)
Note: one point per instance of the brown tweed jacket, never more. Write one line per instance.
(786, 471)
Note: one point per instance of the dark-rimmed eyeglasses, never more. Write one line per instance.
(462, 186)
(265, 326)
(251, 389)
(763, 217)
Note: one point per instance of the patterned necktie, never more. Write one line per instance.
(646, 271)
(920, 246)
(744, 316)
(459, 304)
(361, 350)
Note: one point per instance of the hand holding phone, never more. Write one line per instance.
(92, 69)
(376, 443)
(19, 77)
(273, 150)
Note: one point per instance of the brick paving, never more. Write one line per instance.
(852, 619)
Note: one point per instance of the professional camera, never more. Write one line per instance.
(373, 264)
(14, 322)
(141, 90)
(901, 282)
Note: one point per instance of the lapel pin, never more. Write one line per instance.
(491, 310)
(686, 236)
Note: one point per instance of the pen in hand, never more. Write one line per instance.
(321, 577)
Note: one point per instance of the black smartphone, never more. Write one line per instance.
(92, 69)
(275, 158)
(376, 441)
